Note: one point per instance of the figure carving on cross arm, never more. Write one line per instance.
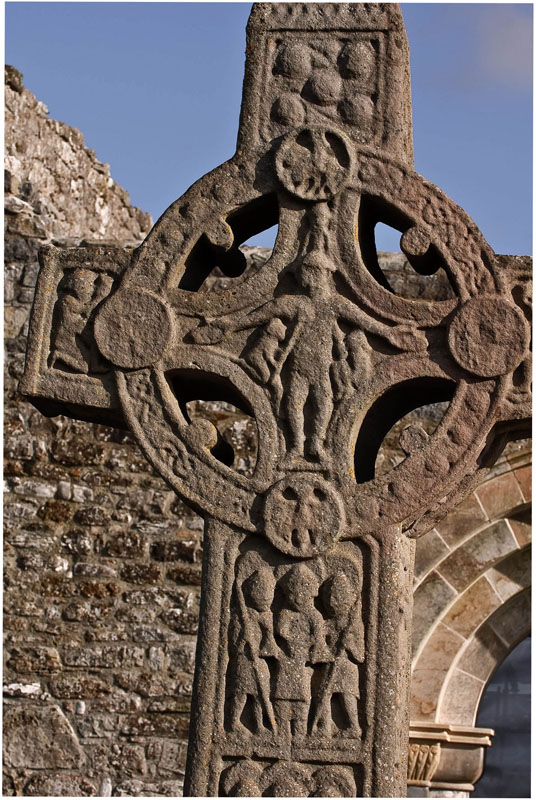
(74, 346)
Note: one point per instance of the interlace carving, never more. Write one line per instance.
(302, 667)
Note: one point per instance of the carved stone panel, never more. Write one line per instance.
(303, 651)
(297, 681)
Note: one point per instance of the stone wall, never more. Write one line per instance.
(49, 171)
(102, 561)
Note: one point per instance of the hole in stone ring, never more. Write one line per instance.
(212, 268)
(204, 395)
(413, 277)
(420, 401)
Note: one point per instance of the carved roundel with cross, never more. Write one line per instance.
(303, 515)
(314, 329)
(314, 163)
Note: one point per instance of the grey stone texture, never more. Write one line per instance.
(106, 561)
(102, 561)
(54, 182)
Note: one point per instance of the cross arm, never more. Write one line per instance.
(64, 371)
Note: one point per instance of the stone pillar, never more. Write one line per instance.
(302, 669)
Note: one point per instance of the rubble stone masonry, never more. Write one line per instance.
(102, 561)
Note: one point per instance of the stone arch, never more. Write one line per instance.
(483, 653)
(471, 608)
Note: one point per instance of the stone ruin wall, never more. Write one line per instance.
(51, 172)
(102, 561)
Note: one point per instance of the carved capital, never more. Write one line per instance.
(446, 757)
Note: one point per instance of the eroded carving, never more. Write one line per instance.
(308, 561)
(296, 642)
(134, 329)
(299, 627)
(309, 374)
(73, 346)
(333, 78)
(252, 642)
(347, 646)
(489, 336)
(314, 164)
(286, 779)
(303, 515)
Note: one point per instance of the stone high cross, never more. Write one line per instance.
(302, 663)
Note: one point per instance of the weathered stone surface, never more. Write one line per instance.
(65, 190)
(38, 737)
(59, 785)
(379, 346)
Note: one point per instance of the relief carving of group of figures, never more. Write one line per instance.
(293, 668)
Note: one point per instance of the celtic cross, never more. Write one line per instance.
(302, 669)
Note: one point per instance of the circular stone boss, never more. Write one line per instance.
(303, 515)
(133, 328)
(489, 336)
(314, 163)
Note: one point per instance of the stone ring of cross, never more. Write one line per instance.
(302, 661)
(162, 334)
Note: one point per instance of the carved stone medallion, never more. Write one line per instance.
(303, 515)
(314, 163)
(123, 334)
(488, 336)
(302, 671)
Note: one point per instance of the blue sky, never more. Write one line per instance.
(156, 87)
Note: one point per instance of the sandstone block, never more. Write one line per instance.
(156, 725)
(78, 686)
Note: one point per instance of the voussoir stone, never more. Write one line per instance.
(302, 665)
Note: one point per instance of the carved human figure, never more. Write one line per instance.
(345, 638)
(252, 641)
(242, 779)
(262, 355)
(74, 346)
(305, 361)
(351, 365)
(300, 632)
